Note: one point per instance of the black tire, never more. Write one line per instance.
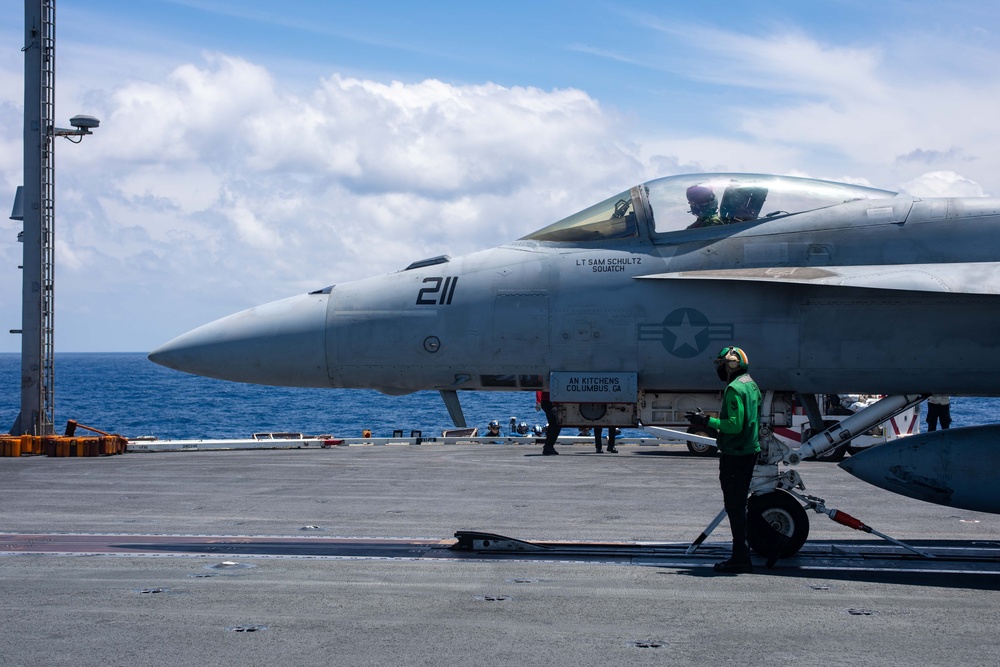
(697, 448)
(778, 525)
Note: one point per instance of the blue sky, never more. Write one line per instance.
(248, 153)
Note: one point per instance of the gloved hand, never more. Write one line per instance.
(698, 418)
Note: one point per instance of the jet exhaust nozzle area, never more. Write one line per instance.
(954, 467)
(282, 343)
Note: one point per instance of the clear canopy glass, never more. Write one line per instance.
(613, 218)
(694, 201)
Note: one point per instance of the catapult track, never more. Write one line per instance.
(949, 557)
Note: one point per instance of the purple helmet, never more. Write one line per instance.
(699, 195)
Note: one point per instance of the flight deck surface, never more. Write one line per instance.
(342, 556)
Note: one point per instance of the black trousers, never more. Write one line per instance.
(735, 475)
(936, 411)
(552, 432)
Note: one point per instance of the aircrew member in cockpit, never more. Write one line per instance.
(704, 206)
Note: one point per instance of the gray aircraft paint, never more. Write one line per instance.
(949, 467)
(830, 288)
(884, 295)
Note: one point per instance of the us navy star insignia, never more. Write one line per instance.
(685, 332)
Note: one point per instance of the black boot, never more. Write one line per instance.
(549, 450)
(733, 566)
(612, 449)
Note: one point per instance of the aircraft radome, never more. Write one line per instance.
(829, 287)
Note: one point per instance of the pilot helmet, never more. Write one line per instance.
(522, 428)
(494, 425)
(537, 430)
(731, 362)
(702, 200)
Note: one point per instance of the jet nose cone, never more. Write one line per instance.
(282, 343)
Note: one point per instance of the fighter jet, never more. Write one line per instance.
(829, 288)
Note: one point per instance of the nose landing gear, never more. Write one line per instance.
(777, 524)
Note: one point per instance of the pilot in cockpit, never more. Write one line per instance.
(704, 206)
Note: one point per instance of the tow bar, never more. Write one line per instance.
(845, 519)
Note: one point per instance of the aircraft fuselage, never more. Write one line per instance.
(879, 295)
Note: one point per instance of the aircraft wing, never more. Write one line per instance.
(957, 278)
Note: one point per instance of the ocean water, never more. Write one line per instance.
(128, 394)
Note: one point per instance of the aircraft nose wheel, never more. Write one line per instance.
(778, 525)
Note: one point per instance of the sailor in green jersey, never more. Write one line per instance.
(738, 425)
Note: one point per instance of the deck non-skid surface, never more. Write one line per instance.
(339, 556)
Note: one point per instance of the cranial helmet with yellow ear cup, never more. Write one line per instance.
(730, 362)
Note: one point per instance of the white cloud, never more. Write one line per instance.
(218, 185)
(196, 188)
(214, 179)
(791, 63)
(884, 107)
(942, 184)
(197, 113)
(251, 230)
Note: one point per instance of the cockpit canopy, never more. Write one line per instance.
(692, 201)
